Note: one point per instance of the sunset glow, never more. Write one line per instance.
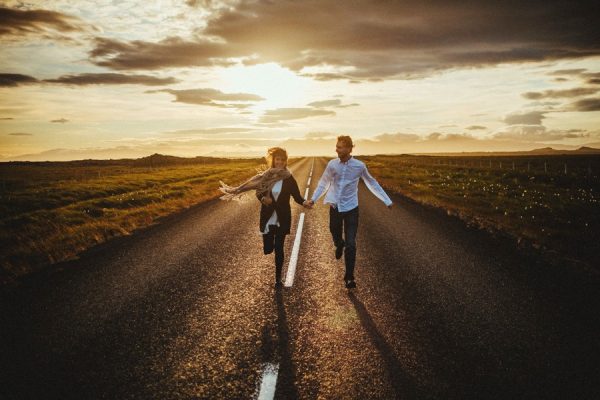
(86, 79)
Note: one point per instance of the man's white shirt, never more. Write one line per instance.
(341, 178)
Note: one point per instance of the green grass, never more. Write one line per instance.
(50, 212)
(543, 208)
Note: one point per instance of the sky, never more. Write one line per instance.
(126, 79)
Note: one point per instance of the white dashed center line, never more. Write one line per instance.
(268, 382)
(289, 279)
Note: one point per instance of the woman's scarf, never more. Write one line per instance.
(263, 183)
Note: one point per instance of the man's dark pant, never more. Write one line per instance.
(347, 222)
(274, 240)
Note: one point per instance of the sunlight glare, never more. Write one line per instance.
(279, 86)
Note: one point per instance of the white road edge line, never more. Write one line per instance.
(308, 183)
(306, 194)
(289, 278)
(268, 382)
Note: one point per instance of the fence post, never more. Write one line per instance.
(545, 167)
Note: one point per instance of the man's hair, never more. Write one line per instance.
(346, 140)
(276, 152)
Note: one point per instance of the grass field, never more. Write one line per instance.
(52, 211)
(548, 203)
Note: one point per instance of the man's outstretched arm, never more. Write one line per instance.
(375, 188)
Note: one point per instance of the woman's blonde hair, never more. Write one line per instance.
(276, 152)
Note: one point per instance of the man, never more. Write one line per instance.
(340, 180)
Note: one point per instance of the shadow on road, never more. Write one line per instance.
(401, 382)
(276, 349)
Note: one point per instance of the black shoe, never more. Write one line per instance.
(339, 251)
(278, 285)
(350, 284)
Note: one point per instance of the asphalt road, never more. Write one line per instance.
(187, 309)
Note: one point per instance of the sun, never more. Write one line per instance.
(279, 86)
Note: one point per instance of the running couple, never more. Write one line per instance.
(339, 180)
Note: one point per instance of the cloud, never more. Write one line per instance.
(367, 41)
(554, 94)
(591, 78)
(537, 133)
(331, 103)
(590, 104)
(12, 80)
(211, 97)
(60, 121)
(17, 22)
(529, 118)
(20, 134)
(325, 103)
(410, 37)
(111, 79)
(170, 52)
(6, 118)
(211, 131)
(475, 127)
(320, 135)
(576, 71)
(285, 114)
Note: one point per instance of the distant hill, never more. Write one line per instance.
(154, 160)
(585, 150)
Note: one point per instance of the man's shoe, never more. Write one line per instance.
(278, 285)
(339, 251)
(350, 284)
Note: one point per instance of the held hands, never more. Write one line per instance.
(308, 204)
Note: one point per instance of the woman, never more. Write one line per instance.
(273, 189)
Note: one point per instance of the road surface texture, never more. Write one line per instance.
(186, 309)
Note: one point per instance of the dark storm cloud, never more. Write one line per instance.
(373, 40)
(112, 79)
(11, 80)
(60, 121)
(554, 94)
(17, 22)
(286, 114)
(211, 97)
(475, 127)
(20, 134)
(529, 118)
(591, 104)
(6, 118)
